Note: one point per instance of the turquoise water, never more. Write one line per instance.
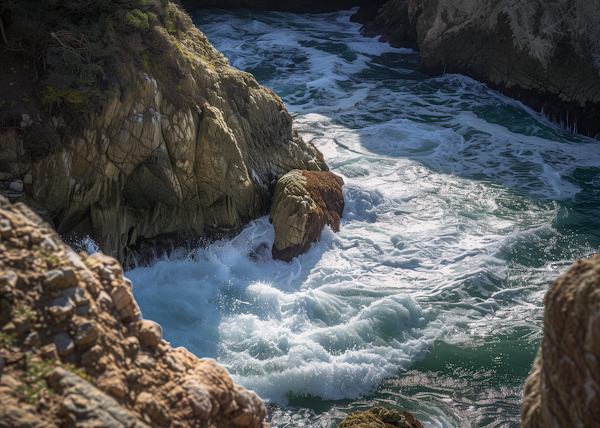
(462, 206)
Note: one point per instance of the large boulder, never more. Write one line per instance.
(563, 389)
(106, 378)
(295, 6)
(543, 53)
(305, 201)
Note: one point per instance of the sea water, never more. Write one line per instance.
(462, 206)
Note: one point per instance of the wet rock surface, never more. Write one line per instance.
(105, 367)
(563, 389)
(305, 201)
(545, 54)
(380, 417)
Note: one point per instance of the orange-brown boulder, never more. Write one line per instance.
(305, 201)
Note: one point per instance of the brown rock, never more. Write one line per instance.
(563, 389)
(149, 333)
(49, 352)
(112, 382)
(149, 380)
(305, 201)
(146, 403)
(124, 303)
(87, 334)
(199, 398)
(91, 356)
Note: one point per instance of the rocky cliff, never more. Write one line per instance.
(295, 6)
(563, 389)
(173, 144)
(75, 352)
(545, 54)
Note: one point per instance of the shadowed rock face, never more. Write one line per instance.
(295, 6)
(150, 166)
(60, 310)
(563, 389)
(545, 54)
(305, 201)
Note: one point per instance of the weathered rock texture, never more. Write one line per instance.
(305, 201)
(150, 164)
(380, 417)
(544, 53)
(563, 389)
(295, 6)
(70, 325)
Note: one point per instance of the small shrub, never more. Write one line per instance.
(137, 19)
(7, 340)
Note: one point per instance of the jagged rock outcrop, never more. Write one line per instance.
(168, 155)
(380, 417)
(563, 389)
(305, 201)
(543, 53)
(75, 352)
(295, 6)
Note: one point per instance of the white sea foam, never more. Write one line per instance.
(453, 226)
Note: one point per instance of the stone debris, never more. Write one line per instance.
(105, 365)
(305, 201)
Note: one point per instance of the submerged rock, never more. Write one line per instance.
(104, 367)
(563, 389)
(543, 53)
(305, 201)
(380, 417)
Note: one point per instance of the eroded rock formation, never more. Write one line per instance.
(196, 152)
(305, 201)
(563, 389)
(546, 54)
(380, 417)
(74, 350)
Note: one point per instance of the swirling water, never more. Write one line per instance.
(462, 206)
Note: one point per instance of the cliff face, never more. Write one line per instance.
(186, 144)
(545, 54)
(75, 352)
(563, 389)
(295, 6)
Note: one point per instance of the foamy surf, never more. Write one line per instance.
(461, 207)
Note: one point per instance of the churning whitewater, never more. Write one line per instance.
(461, 207)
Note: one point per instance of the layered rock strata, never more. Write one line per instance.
(74, 350)
(380, 417)
(194, 152)
(545, 54)
(563, 389)
(295, 6)
(305, 201)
